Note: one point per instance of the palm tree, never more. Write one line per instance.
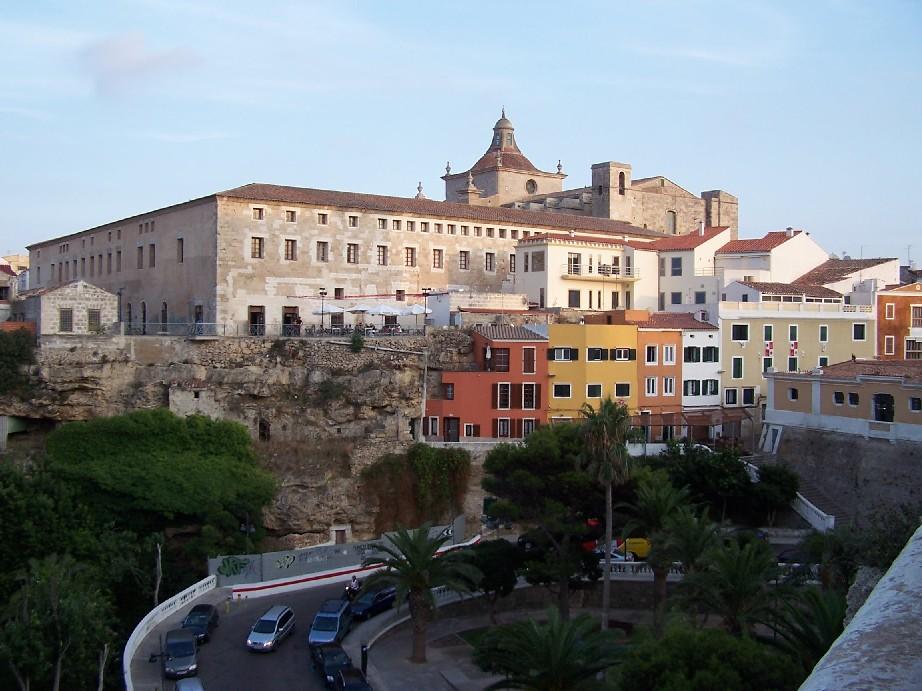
(657, 501)
(737, 584)
(411, 563)
(604, 450)
(807, 626)
(561, 655)
(689, 537)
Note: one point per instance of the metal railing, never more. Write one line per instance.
(244, 329)
(613, 273)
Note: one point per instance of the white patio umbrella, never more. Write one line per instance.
(385, 311)
(329, 309)
(359, 309)
(419, 309)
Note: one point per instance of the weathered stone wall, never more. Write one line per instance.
(860, 475)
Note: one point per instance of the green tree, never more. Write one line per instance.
(656, 503)
(605, 452)
(559, 655)
(499, 561)
(716, 478)
(704, 660)
(17, 352)
(411, 562)
(688, 537)
(807, 625)
(540, 484)
(776, 489)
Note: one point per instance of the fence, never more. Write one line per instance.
(271, 330)
(155, 616)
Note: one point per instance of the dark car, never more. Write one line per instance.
(201, 620)
(351, 679)
(373, 602)
(328, 661)
(180, 654)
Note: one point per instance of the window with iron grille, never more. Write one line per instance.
(65, 320)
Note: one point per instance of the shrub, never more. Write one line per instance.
(17, 351)
(357, 342)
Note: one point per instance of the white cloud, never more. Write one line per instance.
(120, 63)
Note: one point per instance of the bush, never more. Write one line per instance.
(357, 342)
(17, 351)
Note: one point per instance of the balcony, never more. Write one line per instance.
(601, 273)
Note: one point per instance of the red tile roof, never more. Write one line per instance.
(672, 320)
(833, 270)
(689, 241)
(791, 289)
(7, 269)
(507, 332)
(910, 370)
(511, 159)
(429, 207)
(764, 244)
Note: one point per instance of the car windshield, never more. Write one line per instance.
(264, 626)
(199, 619)
(180, 648)
(333, 658)
(367, 598)
(324, 623)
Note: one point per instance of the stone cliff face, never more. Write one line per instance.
(320, 412)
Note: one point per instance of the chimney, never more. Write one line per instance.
(789, 231)
(700, 227)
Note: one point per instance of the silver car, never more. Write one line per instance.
(191, 684)
(271, 628)
(180, 654)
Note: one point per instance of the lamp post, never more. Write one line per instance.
(426, 292)
(323, 294)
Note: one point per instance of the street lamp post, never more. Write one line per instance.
(426, 292)
(323, 294)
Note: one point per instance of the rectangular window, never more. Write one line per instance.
(537, 261)
(669, 386)
(108, 263)
(563, 354)
(259, 213)
(767, 364)
(915, 316)
(140, 260)
(65, 320)
(339, 294)
(489, 261)
(118, 261)
(823, 361)
(668, 354)
(623, 390)
(465, 230)
(292, 216)
(501, 359)
(382, 255)
(737, 371)
(650, 386)
(622, 354)
(792, 332)
(382, 224)
(529, 396)
(291, 250)
(675, 298)
(739, 332)
(395, 224)
(793, 394)
(257, 247)
(448, 391)
(858, 332)
(710, 354)
(730, 396)
(512, 263)
(691, 387)
(94, 320)
(411, 226)
(853, 399)
(573, 299)
(400, 295)
(596, 354)
(767, 331)
(662, 266)
(433, 426)
(437, 259)
(749, 396)
(409, 258)
(838, 397)
(353, 221)
(593, 391)
(692, 354)
(502, 427)
(503, 396)
(792, 364)
(709, 387)
(561, 391)
(478, 231)
(912, 349)
(824, 333)
(889, 345)
(452, 228)
(468, 429)
(502, 233)
(438, 228)
(424, 226)
(489, 232)
(890, 310)
(464, 260)
(677, 266)
(650, 352)
(180, 253)
(915, 404)
(701, 297)
(528, 360)
(323, 251)
(352, 253)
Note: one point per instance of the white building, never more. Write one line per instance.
(857, 279)
(779, 257)
(701, 367)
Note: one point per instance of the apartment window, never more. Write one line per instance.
(561, 391)
(890, 310)
(92, 267)
(853, 399)
(792, 364)
(889, 345)
(623, 354)
(730, 396)
(650, 386)
(464, 260)
(710, 354)
(858, 332)
(395, 224)
(437, 227)
(596, 354)
(622, 390)
(913, 349)
(108, 263)
(701, 297)
(691, 354)
(563, 354)
(411, 226)
(502, 233)
(691, 387)
(676, 268)
(737, 368)
(151, 257)
(838, 397)
(140, 264)
(823, 361)
(792, 333)
(739, 332)
(537, 261)
(259, 213)
(257, 248)
(489, 232)
(291, 250)
(469, 430)
(465, 230)
(512, 265)
(448, 392)
(502, 427)
(65, 320)
(353, 221)
(503, 396)
(528, 360)
(573, 298)
(593, 391)
(323, 251)
(749, 396)
(433, 426)
(118, 261)
(338, 294)
(669, 386)
(915, 316)
(489, 261)
(180, 253)
(94, 320)
(409, 258)
(382, 255)
(382, 224)
(668, 354)
(824, 333)
(767, 364)
(662, 266)
(671, 224)
(501, 359)
(478, 231)
(452, 229)
(915, 404)
(424, 226)
(675, 298)
(767, 331)
(709, 387)
(352, 253)
(292, 216)
(529, 396)
(650, 353)
(793, 394)
(437, 259)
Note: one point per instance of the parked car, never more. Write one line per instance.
(351, 679)
(271, 629)
(637, 547)
(201, 620)
(331, 623)
(374, 601)
(329, 660)
(190, 684)
(180, 654)
(616, 554)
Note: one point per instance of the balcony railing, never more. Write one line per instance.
(598, 273)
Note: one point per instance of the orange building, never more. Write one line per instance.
(503, 397)
(899, 323)
(659, 374)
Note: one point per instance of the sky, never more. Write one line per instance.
(809, 112)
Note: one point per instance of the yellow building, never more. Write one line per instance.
(588, 362)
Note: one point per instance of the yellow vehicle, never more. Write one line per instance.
(637, 547)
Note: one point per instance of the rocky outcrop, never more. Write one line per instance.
(320, 412)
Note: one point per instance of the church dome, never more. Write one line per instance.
(503, 124)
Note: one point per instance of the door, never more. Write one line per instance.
(291, 322)
(257, 321)
(452, 429)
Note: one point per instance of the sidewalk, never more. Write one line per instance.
(449, 665)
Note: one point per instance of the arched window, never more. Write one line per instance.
(621, 183)
(163, 317)
(671, 222)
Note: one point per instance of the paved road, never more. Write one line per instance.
(225, 664)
